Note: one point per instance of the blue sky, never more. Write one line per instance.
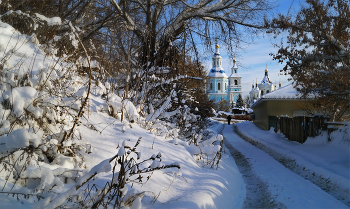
(253, 58)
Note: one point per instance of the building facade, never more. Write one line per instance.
(221, 86)
(265, 87)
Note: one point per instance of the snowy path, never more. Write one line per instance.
(269, 183)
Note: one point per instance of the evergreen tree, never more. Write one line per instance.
(239, 101)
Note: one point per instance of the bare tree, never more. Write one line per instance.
(246, 101)
(161, 22)
(317, 54)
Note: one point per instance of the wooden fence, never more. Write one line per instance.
(300, 127)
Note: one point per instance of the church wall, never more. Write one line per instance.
(215, 82)
(222, 82)
(218, 97)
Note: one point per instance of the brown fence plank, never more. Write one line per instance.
(300, 127)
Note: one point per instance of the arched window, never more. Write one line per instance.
(235, 71)
(225, 86)
(229, 82)
(236, 83)
(213, 63)
(267, 91)
(219, 86)
(262, 93)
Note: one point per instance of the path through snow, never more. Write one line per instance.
(267, 178)
(258, 195)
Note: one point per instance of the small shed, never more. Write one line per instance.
(285, 101)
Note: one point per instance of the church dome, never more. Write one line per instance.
(266, 79)
(217, 73)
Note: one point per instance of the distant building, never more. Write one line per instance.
(284, 101)
(220, 86)
(265, 87)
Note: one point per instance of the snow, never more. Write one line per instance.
(234, 75)
(287, 188)
(105, 136)
(190, 187)
(321, 157)
(18, 139)
(288, 92)
(217, 72)
(285, 92)
(266, 80)
(20, 98)
(50, 21)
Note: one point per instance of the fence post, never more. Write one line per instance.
(304, 129)
(278, 124)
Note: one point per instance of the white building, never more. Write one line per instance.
(265, 87)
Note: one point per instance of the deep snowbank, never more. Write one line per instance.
(192, 186)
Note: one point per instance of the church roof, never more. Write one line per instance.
(235, 75)
(217, 72)
(234, 64)
(266, 80)
(217, 55)
(233, 69)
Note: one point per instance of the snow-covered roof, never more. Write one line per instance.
(216, 55)
(288, 92)
(255, 89)
(217, 72)
(235, 75)
(265, 80)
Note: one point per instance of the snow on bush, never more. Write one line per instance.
(40, 148)
(127, 168)
(187, 129)
(39, 99)
(209, 151)
(122, 109)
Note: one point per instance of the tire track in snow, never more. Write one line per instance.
(258, 195)
(325, 184)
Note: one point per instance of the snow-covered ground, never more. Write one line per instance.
(29, 84)
(319, 157)
(197, 186)
(192, 186)
(289, 189)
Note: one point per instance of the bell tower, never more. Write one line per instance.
(235, 86)
(217, 83)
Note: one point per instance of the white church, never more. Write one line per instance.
(265, 87)
(221, 86)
